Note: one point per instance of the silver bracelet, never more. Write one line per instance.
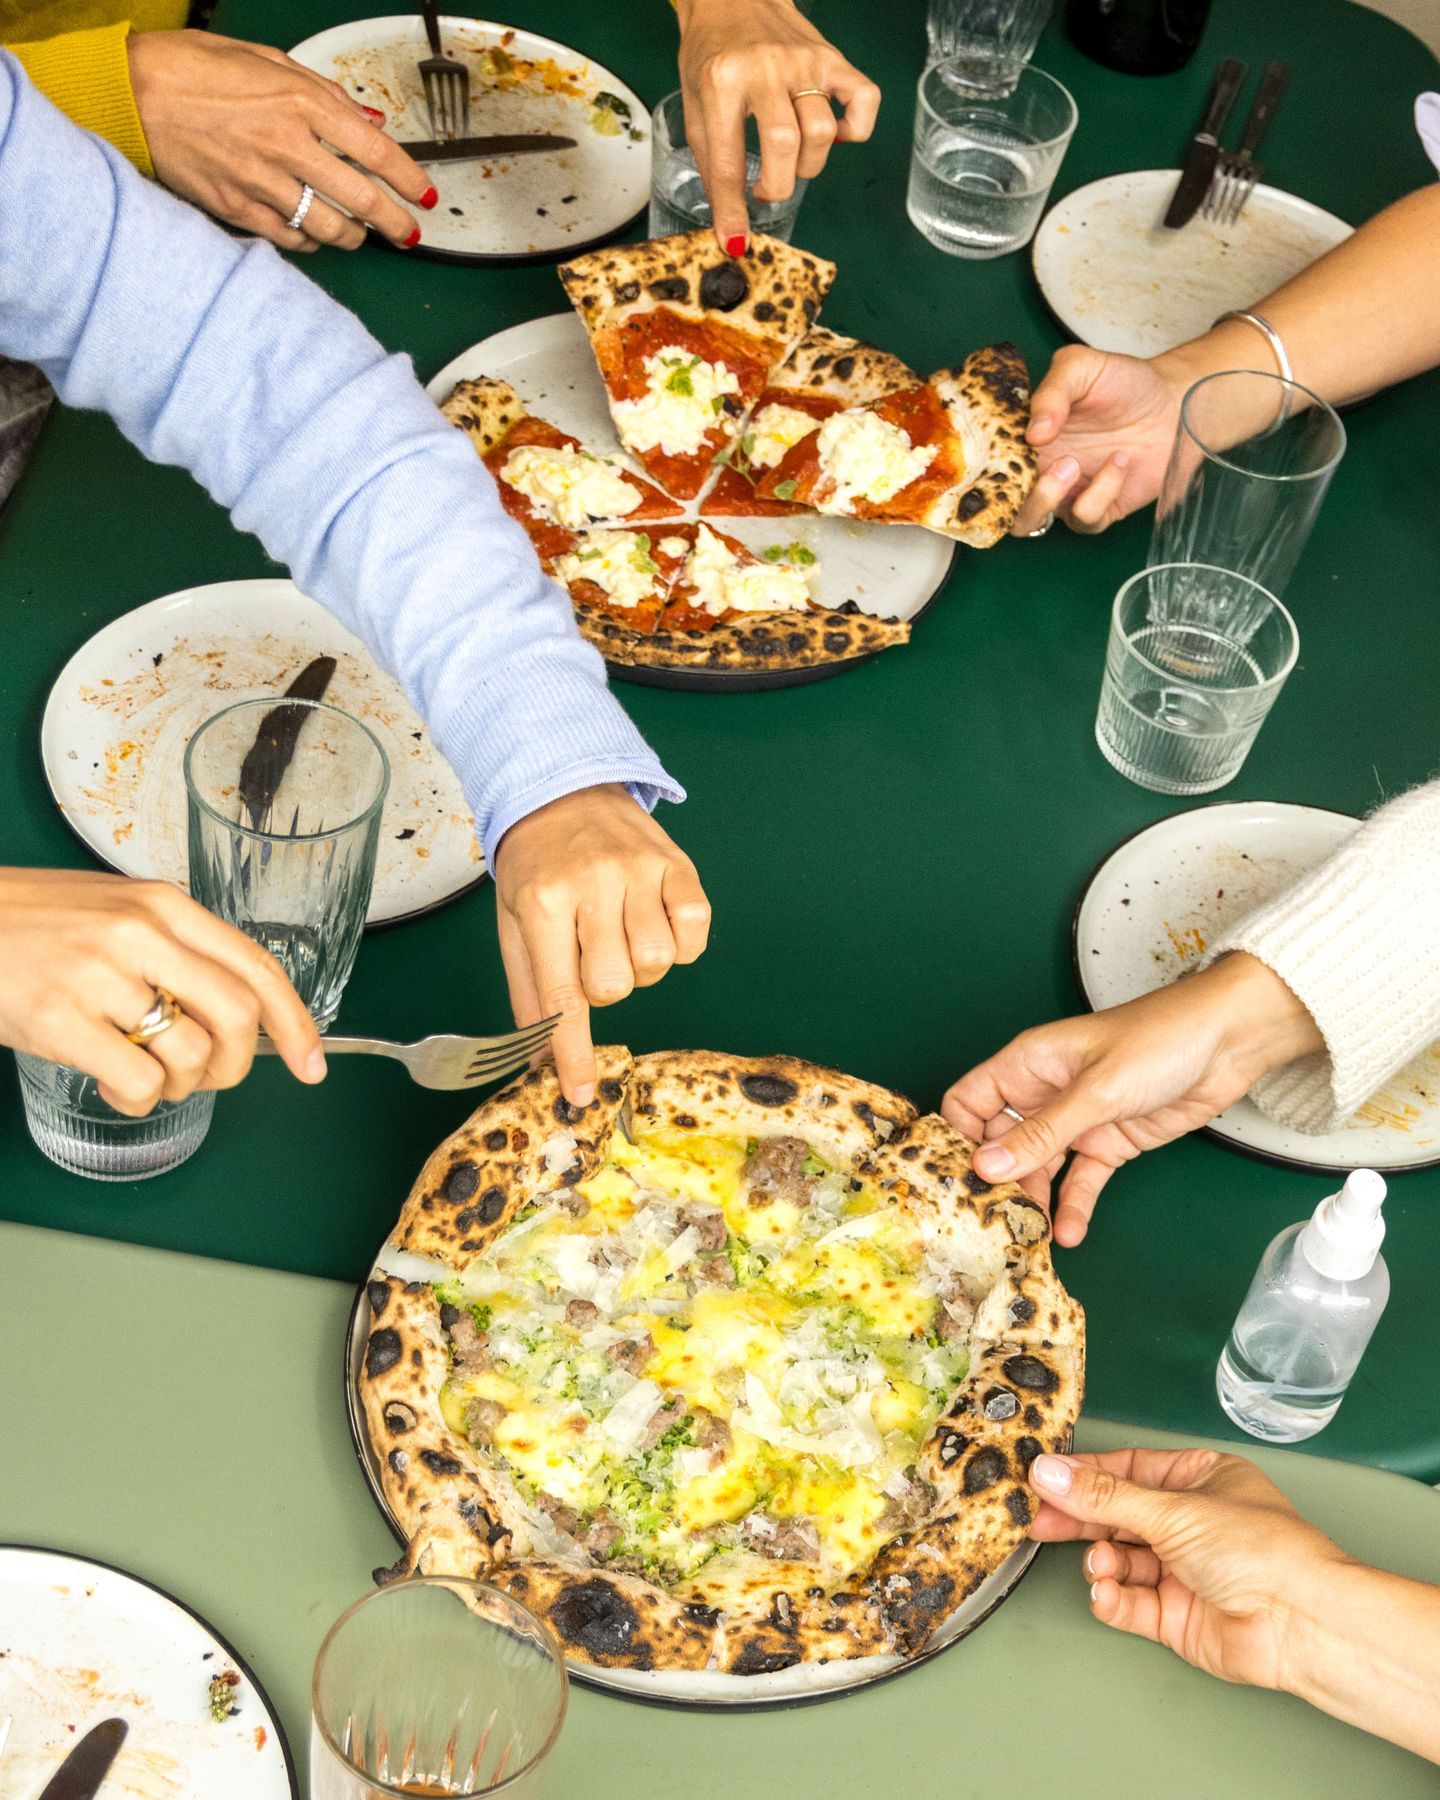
(1272, 337)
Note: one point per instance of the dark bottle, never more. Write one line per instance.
(1140, 37)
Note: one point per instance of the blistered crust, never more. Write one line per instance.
(988, 402)
(487, 410)
(765, 641)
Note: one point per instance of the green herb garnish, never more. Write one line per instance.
(785, 490)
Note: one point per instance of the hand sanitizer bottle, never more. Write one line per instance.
(1315, 1299)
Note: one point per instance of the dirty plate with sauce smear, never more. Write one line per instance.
(529, 208)
(1163, 897)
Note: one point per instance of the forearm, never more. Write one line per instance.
(1366, 1649)
(1365, 315)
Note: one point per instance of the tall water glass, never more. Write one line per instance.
(75, 1128)
(1251, 463)
(435, 1686)
(987, 42)
(677, 194)
(983, 164)
(284, 821)
(1195, 661)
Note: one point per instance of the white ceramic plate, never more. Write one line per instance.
(84, 1642)
(894, 570)
(1155, 904)
(1115, 277)
(684, 1687)
(118, 718)
(515, 208)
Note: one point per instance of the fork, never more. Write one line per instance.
(446, 1061)
(1235, 176)
(447, 82)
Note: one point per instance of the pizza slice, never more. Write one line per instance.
(948, 453)
(825, 374)
(547, 479)
(623, 575)
(687, 340)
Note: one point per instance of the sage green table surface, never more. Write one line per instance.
(183, 1418)
(894, 855)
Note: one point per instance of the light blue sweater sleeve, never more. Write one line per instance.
(220, 357)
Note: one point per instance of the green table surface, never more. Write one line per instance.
(251, 1508)
(893, 856)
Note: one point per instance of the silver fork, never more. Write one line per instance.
(447, 82)
(1235, 176)
(447, 1061)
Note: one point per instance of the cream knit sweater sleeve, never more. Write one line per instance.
(1358, 942)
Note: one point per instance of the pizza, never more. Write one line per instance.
(739, 1367)
(687, 339)
(825, 374)
(949, 453)
(623, 574)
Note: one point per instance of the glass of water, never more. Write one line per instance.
(983, 163)
(1195, 661)
(284, 822)
(677, 194)
(75, 1128)
(435, 1686)
(986, 42)
(1251, 463)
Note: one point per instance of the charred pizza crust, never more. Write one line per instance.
(1021, 1395)
(988, 402)
(782, 640)
(485, 408)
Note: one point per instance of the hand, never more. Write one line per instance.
(241, 129)
(1196, 1551)
(744, 57)
(1103, 426)
(81, 957)
(1110, 1084)
(593, 901)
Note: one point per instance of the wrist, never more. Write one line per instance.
(1266, 1024)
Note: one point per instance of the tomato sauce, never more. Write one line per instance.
(738, 494)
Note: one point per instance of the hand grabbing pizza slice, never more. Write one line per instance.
(948, 453)
(687, 340)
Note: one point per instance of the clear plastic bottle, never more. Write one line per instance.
(1316, 1297)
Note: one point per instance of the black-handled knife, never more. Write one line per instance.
(270, 755)
(475, 149)
(87, 1765)
(1204, 151)
(1273, 84)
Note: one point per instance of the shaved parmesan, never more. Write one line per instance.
(626, 1421)
(558, 1151)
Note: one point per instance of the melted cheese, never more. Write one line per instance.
(568, 486)
(684, 396)
(773, 430)
(616, 561)
(673, 546)
(868, 458)
(723, 584)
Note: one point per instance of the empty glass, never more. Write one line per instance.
(983, 163)
(677, 194)
(435, 1686)
(1195, 661)
(284, 821)
(75, 1128)
(1252, 459)
(986, 42)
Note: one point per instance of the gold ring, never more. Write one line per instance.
(161, 1016)
(800, 93)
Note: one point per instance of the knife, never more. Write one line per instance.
(471, 149)
(80, 1775)
(1204, 151)
(269, 756)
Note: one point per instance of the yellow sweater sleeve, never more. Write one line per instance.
(87, 75)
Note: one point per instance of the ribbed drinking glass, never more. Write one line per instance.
(75, 1128)
(678, 201)
(987, 42)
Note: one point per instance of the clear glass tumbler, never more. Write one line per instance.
(435, 1686)
(1252, 459)
(983, 163)
(677, 194)
(986, 42)
(1195, 661)
(284, 822)
(75, 1128)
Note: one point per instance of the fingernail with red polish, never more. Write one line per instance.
(735, 246)
(428, 198)
(373, 112)
(413, 239)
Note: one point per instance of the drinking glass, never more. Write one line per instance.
(983, 163)
(1252, 459)
(75, 1128)
(677, 194)
(1195, 660)
(435, 1686)
(986, 42)
(284, 821)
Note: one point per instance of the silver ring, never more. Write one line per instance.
(1010, 1112)
(1042, 528)
(297, 218)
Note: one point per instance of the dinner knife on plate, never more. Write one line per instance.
(270, 755)
(475, 149)
(1204, 152)
(80, 1775)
